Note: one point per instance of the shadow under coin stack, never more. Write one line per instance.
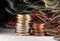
(23, 25)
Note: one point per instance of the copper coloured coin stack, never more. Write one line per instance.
(23, 26)
(37, 29)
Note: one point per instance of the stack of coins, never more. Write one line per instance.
(23, 24)
(38, 29)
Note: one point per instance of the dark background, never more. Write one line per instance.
(4, 16)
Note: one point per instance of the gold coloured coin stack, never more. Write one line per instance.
(23, 26)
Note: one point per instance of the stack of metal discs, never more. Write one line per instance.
(23, 25)
(37, 29)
